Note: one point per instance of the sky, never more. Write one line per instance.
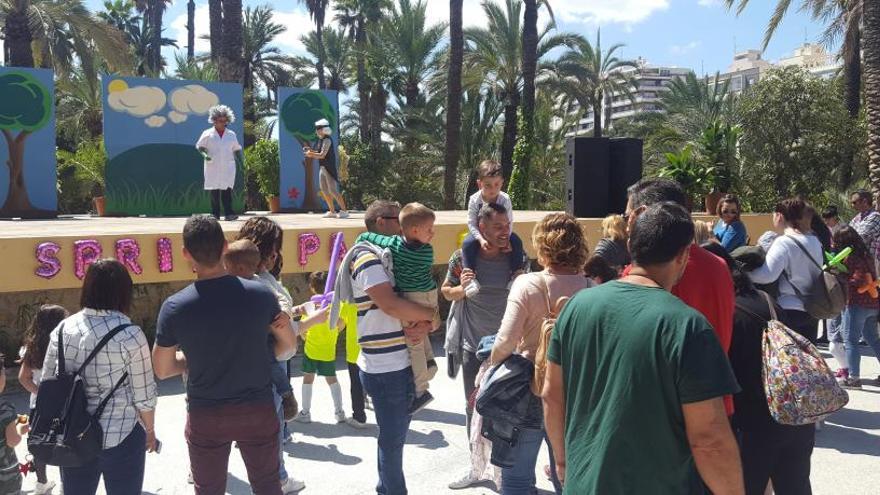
(698, 34)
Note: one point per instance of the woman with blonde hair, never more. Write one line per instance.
(561, 246)
(612, 247)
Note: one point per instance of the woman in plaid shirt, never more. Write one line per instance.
(128, 418)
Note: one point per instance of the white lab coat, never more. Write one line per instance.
(220, 171)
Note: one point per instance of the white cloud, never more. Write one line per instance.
(177, 117)
(139, 101)
(606, 12)
(298, 24)
(684, 49)
(203, 27)
(709, 3)
(155, 121)
(192, 98)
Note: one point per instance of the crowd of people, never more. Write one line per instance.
(650, 347)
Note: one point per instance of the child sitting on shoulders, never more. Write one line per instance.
(490, 180)
(413, 258)
(320, 356)
(30, 374)
(14, 428)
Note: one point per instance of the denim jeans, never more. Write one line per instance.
(520, 479)
(279, 411)
(858, 321)
(122, 468)
(280, 378)
(392, 394)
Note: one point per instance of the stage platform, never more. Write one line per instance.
(44, 254)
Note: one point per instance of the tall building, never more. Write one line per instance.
(744, 71)
(748, 67)
(651, 82)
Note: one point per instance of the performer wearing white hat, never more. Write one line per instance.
(324, 152)
(222, 152)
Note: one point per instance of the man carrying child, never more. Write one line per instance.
(413, 258)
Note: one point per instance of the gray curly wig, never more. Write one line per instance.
(221, 111)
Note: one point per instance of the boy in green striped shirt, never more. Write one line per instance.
(413, 258)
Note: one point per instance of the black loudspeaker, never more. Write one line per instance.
(598, 174)
(625, 170)
(587, 176)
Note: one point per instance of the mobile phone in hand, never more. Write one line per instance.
(158, 449)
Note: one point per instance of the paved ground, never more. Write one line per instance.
(338, 459)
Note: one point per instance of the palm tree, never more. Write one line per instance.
(318, 12)
(411, 43)
(190, 30)
(590, 77)
(453, 103)
(120, 14)
(142, 44)
(519, 187)
(80, 106)
(153, 12)
(844, 20)
(194, 69)
(60, 28)
(359, 18)
(232, 49)
(337, 56)
(260, 57)
(494, 56)
(871, 23)
(215, 14)
(692, 105)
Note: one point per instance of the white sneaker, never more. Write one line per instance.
(340, 416)
(291, 485)
(468, 480)
(343, 214)
(43, 488)
(355, 423)
(472, 288)
(303, 417)
(189, 478)
(329, 214)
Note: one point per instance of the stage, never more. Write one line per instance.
(52, 254)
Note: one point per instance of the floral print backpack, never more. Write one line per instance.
(800, 387)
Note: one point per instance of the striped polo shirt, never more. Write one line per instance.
(412, 261)
(383, 344)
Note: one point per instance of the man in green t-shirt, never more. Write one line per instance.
(635, 380)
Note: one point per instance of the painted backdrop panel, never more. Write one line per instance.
(150, 130)
(298, 111)
(28, 186)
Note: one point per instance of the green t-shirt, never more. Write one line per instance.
(412, 261)
(630, 357)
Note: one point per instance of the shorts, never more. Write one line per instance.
(329, 186)
(322, 368)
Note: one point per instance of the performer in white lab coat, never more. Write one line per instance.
(222, 153)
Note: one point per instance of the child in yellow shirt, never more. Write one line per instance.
(320, 356)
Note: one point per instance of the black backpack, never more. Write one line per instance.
(63, 433)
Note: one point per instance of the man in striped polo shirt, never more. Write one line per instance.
(413, 258)
(384, 360)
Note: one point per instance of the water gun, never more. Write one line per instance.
(836, 260)
(324, 300)
(870, 287)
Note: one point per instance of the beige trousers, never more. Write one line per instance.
(421, 355)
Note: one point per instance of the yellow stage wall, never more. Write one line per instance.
(18, 261)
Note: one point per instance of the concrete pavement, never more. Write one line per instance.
(333, 458)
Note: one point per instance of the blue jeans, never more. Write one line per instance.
(470, 249)
(520, 479)
(122, 468)
(280, 378)
(279, 411)
(392, 394)
(858, 321)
